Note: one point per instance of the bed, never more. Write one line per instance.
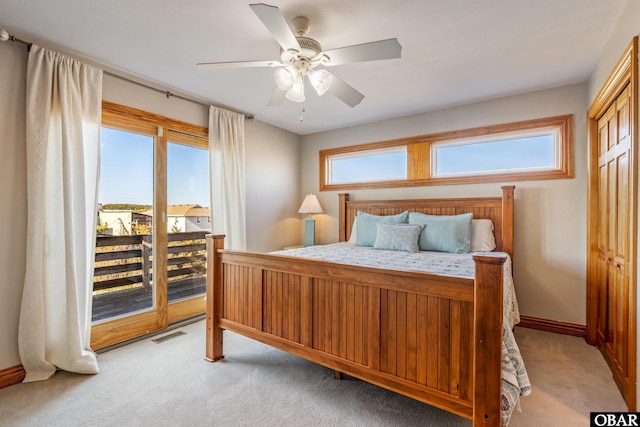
(443, 339)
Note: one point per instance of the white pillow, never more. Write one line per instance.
(353, 237)
(482, 238)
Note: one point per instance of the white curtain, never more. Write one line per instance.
(63, 131)
(226, 161)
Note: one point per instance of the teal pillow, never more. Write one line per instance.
(366, 226)
(444, 233)
(398, 237)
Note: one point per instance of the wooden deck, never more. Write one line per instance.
(123, 272)
(128, 301)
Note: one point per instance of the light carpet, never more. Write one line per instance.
(170, 384)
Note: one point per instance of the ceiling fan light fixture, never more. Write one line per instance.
(320, 80)
(284, 78)
(296, 92)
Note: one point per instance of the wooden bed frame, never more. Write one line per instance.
(433, 338)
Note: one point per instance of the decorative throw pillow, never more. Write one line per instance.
(444, 233)
(398, 237)
(482, 238)
(367, 223)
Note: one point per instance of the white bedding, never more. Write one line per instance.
(515, 381)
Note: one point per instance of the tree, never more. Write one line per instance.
(141, 228)
(126, 207)
(101, 229)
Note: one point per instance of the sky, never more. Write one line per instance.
(520, 153)
(126, 170)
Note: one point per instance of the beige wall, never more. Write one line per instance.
(272, 179)
(550, 249)
(627, 27)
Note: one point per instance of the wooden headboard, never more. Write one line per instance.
(497, 209)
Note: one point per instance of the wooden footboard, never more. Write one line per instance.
(433, 338)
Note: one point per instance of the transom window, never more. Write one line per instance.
(519, 151)
(528, 150)
(384, 164)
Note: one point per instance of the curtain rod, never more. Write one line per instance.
(4, 36)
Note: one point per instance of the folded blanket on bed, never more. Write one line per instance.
(515, 380)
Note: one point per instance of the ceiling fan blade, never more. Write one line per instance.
(372, 51)
(277, 98)
(237, 64)
(277, 25)
(344, 92)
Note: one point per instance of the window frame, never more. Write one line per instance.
(420, 149)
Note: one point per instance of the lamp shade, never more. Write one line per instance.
(296, 91)
(320, 80)
(310, 205)
(284, 78)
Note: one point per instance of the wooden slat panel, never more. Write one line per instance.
(257, 303)
(412, 337)
(433, 341)
(306, 312)
(359, 334)
(114, 283)
(401, 334)
(454, 376)
(374, 350)
(112, 256)
(466, 348)
(328, 319)
(384, 330)
(318, 308)
(335, 316)
(343, 321)
(350, 323)
(422, 339)
(392, 334)
(266, 303)
(444, 345)
(277, 309)
(286, 309)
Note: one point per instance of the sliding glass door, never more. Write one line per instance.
(123, 276)
(152, 216)
(188, 221)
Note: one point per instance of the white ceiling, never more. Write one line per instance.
(454, 51)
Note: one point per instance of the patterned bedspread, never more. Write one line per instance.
(515, 381)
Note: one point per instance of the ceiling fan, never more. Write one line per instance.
(302, 56)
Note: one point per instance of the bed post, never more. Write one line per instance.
(487, 354)
(507, 219)
(342, 216)
(213, 351)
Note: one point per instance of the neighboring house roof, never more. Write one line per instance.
(198, 211)
(184, 210)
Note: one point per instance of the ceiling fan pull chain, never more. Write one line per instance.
(302, 114)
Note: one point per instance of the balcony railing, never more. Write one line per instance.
(123, 274)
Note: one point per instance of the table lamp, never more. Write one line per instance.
(310, 205)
